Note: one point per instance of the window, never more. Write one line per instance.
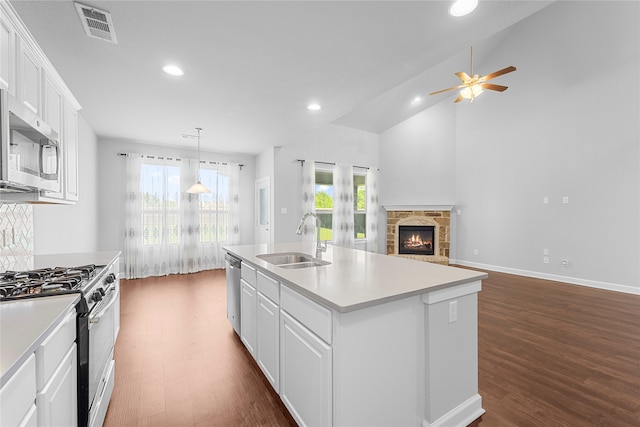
(360, 205)
(324, 202)
(214, 206)
(160, 199)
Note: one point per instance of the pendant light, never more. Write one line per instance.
(198, 188)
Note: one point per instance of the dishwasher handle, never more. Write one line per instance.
(233, 261)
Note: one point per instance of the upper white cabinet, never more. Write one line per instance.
(7, 55)
(28, 76)
(70, 152)
(29, 86)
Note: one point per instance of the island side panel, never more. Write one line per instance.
(378, 365)
(451, 337)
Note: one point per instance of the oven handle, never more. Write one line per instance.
(101, 313)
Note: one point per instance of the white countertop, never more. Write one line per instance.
(25, 323)
(356, 279)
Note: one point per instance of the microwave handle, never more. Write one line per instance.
(49, 143)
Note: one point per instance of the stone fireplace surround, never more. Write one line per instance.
(437, 215)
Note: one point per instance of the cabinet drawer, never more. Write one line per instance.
(18, 394)
(269, 287)
(248, 273)
(312, 315)
(50, 353)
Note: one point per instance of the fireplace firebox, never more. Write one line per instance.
(416, 239)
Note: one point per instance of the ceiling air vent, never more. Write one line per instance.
(97, 23)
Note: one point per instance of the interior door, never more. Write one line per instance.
(263, 211)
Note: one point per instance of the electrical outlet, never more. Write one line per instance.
(545, 200)
(545, 259)
(545, 252)
(565, 200)
(475, 252)
(453, 311)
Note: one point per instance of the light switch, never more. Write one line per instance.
(283, 210)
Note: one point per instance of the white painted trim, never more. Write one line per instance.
(389, 208)
(458, 291)
(460, 416)
(557, 278)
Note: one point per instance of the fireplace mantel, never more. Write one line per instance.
(392, 208)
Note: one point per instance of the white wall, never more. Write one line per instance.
(567, 126)
(331, 143)
(72, 228)
(112, 186)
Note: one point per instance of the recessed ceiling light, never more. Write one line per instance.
(417, 100)
(462, 7)
(314, 107)
(172, 70)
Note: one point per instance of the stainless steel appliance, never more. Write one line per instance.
(30, 156)
(96, 325)
(233, 265)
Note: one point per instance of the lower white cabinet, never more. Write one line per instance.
(248, 315)
(305, 373)
(57, 402)
(17, 396)
(268, 337)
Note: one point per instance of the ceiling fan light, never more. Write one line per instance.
(198, 188)
(463, 7)
(471, 92)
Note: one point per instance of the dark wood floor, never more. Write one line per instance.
(550, 354)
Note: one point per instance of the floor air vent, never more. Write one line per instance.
(97, 23)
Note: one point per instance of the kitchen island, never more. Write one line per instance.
(367, 339)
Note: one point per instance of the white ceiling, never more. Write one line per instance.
(252, 67)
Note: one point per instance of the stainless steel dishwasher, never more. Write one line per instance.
(233, 265)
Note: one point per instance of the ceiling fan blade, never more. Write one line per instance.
(459, 98)
(444, 90)
(498, 73)
(463, 76)
(490, 86)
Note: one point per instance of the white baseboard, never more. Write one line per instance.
(460, 416)
(554, 277)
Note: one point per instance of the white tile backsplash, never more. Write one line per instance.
(16, 236)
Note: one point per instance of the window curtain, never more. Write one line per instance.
(168, 231)
(372, 210)
(343, 225)
(308, 198)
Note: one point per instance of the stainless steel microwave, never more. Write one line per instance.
(30, 155)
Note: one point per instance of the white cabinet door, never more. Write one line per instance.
(70, 138)
(52, 104)
(7, 55)
(18, 394)
(305, 373)
(248, 316)
(268, 322)
(29, 86)
(57, 402)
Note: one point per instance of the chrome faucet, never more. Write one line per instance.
(320, 246)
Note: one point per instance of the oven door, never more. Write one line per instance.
(101, 342)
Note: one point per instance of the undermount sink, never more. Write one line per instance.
(292, 260)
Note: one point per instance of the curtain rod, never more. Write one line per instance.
(330, 163)
(240, 165)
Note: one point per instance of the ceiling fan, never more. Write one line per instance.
(473, 85)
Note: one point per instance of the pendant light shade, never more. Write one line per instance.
(198, 188)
